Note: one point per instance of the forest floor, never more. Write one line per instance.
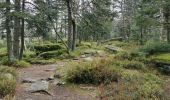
(57, 92)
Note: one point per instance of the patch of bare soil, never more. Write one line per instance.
(55, 92)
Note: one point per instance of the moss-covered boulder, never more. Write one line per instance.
(52, 54)
(163, 62)
(47, 47)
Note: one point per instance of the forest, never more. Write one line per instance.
(84, 49)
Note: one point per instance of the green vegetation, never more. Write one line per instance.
(7, 81)
(134, 85)
(154, 47)
(120, 46)
(21, 64)
(164, 58)
(92, 73)
(47, 47)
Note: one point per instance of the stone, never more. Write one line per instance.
(49, 70)
(88, 59)
(89, 52)
(83, 56)
(58, 82)
(57, 76)
(50, 79)
(39, 86)
(29, 99)
(28, 80)
(75, 58)
(112, 48)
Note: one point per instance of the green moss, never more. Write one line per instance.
(52, 54)
(47, 47)
(165, 58)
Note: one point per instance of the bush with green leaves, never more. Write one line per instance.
(96, 72)
(41, 61)
(134, 85)
(154, 47)
(134, 65)
(133, 55)
(7, 81)
(29, 54)
(20, 64)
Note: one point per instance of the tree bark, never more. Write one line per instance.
(141, 35)
(16, 30)
(8, 31)
(74, 35)
(22, 31)
(69, 24)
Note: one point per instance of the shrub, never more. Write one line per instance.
(7, 87)
(21, 64)
(47, 47)
(7, 82)
(29, 54)
(96, 72)
(3, 53)
(41, 61)
(4, 61)
(134, 65)
(153, 47)
(133, 55)
(84, 44)
(134, 86)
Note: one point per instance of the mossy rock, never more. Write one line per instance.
(52, 54)
(163, 62)
(164, 58)
(47, 47)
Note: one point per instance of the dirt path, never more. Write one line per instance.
(41, 72)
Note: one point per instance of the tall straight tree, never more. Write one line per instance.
(166, 12)
(8, 31)
(70, 34)
(16, 29)
(22, 31)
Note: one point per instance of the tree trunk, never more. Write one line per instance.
(74, 35)
(22, 31)
(8, 31)
(141, 35)
(16, 30)
(167, 20)
(69, 24)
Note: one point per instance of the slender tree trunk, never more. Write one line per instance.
(141, 35)
(8, 31)
(74, 35)
(167, 20)
(22, 31)
(16, 30)
(69, 24)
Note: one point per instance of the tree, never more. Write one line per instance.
(17, 30)
(8, 32)
(22, 31)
